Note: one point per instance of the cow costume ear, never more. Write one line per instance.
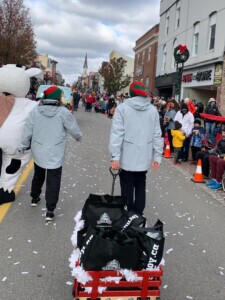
(34, 72)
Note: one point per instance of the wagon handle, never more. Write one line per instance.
(114, 175)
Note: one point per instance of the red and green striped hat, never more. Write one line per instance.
(137, 88)
(53, 93)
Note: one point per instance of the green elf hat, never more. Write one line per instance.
(52, 93)
(137, 88)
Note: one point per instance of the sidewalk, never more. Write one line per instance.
(187, 169)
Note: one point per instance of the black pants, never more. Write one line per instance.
(76, 103)
(194, 151)
(204, 156)
(52, 185)
(184, 153)
(133, 185)
(176, 153)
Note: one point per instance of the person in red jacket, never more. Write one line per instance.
(89, 101)
(190, 105)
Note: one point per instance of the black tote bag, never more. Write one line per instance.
(108, 249)
(134, 219)
(105, 211)
(151, 241)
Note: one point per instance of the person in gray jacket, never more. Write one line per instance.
(169, 117)
(45, 132)
(135, 144)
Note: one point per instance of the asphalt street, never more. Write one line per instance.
(34, 256)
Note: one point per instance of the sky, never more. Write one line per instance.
(68, 29)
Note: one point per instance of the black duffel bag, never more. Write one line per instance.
(105, 211)
(108, 249)
(151, 241)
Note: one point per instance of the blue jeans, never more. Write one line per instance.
(209, 128)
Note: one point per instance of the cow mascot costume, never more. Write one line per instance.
(14, 109)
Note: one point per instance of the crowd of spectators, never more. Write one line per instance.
(186, 130)
(190, 136)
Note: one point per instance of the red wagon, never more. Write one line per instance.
(148, 287)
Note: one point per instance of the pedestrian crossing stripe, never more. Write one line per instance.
(5, 207)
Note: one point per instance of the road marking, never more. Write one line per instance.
(5, 207)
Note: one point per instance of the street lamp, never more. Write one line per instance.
(181, 55)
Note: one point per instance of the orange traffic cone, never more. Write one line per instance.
(198, 178)
(167, 151)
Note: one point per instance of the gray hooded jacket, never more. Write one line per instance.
(135, 138)
(46, 128)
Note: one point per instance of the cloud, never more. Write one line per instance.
(67, 29)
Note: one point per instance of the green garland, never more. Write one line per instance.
(181, 57)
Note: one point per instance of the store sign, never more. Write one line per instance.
(198, 77)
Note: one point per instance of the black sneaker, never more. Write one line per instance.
(35, 201)
(49, 216)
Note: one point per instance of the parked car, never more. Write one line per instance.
(67, 97)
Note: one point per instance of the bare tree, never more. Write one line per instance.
(113, 74)
(17, 40)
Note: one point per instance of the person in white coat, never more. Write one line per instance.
(135, 144)
(186, 118)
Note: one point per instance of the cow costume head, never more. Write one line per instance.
(14, 109)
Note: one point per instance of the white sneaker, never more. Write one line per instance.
(49, 216)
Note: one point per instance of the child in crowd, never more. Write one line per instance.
(197, 138)
(216, 134)
(178, 139)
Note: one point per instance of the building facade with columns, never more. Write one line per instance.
(145, 58)
(200, 26)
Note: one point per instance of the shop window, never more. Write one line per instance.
(167, 23)
(149, 53)
(212, 31)
(138, 57)
(143, 57)
(173, 65)
(195, 39)
(177, 21)
(164, 59)
(147, 82)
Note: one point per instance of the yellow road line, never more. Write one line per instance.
(5, 207)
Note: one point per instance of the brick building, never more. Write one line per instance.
(146, 58)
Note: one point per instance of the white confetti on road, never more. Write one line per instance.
(169, 250)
